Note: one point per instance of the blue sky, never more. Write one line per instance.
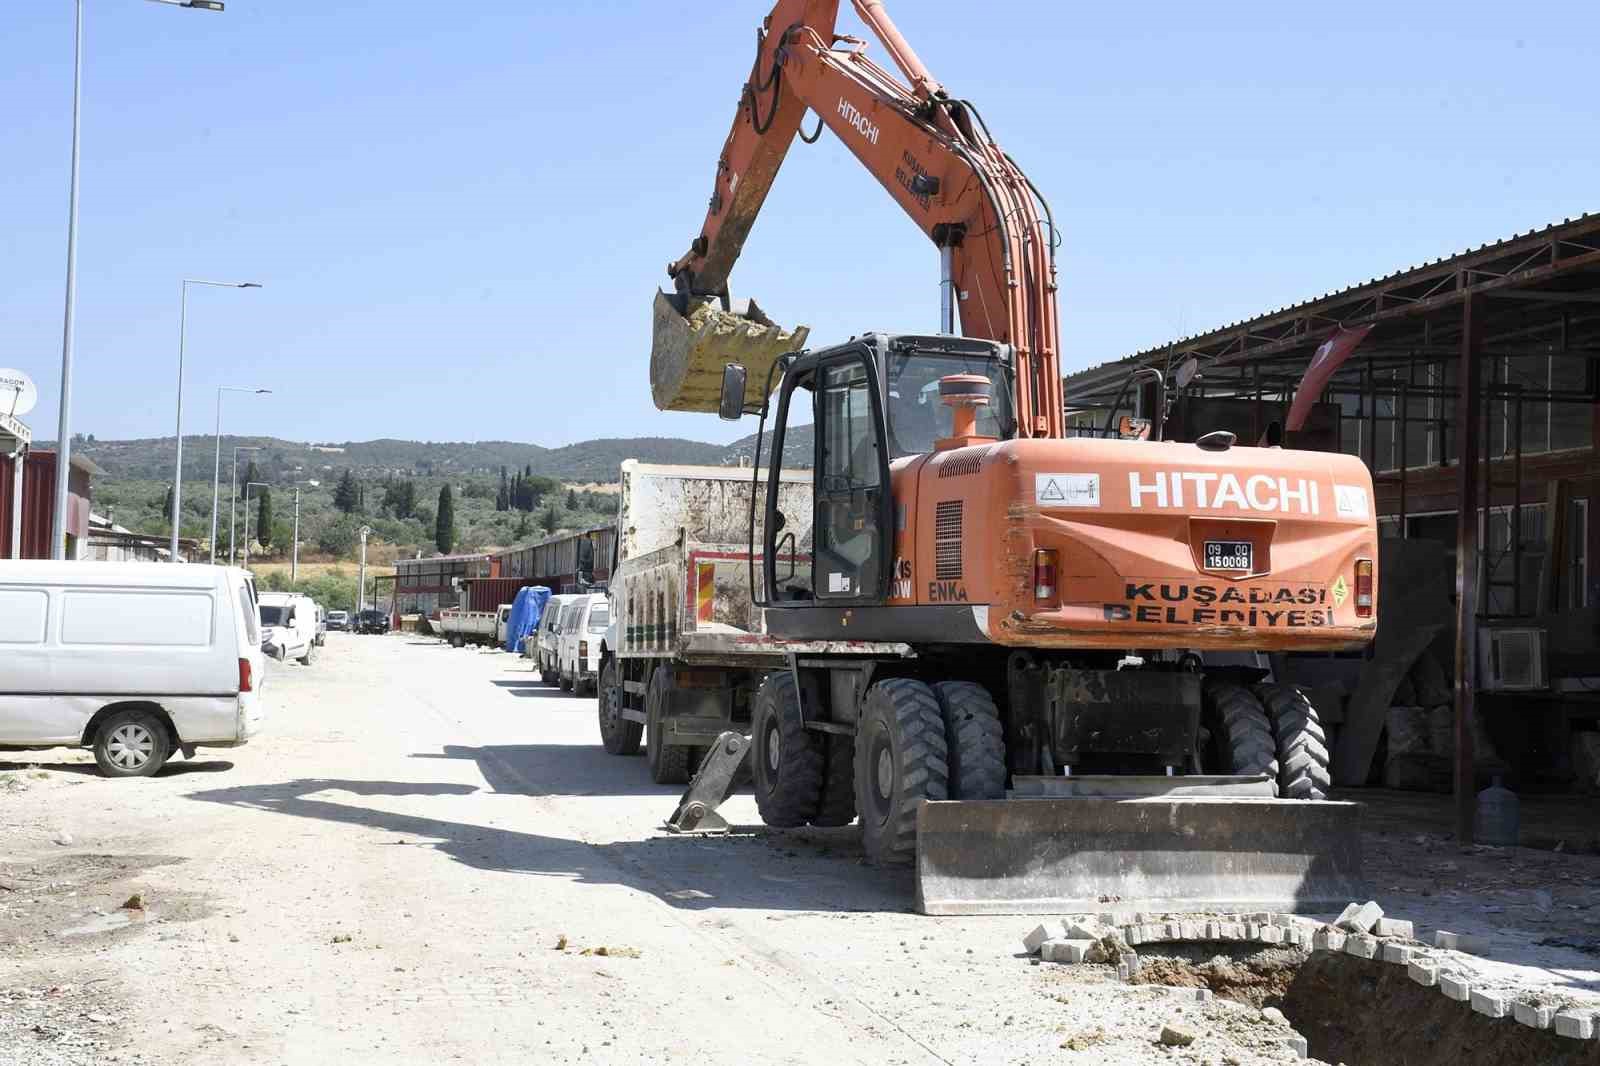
(460, 211)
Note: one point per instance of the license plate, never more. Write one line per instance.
(1229, 555)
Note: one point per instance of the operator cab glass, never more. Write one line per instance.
(917, 418)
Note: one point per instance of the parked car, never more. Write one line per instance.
(581, 636)
(339, 620)
(131, 660)
(372, 620)
(289, 626)
(548, 634)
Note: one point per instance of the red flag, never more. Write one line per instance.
(1329, 356)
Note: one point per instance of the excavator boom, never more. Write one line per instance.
(934, 157)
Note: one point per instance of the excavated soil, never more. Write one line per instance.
(1259, 978)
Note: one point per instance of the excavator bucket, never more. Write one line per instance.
(1186, 850)
(695, 338)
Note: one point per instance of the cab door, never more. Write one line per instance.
(848, 549)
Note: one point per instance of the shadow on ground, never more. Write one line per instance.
(751, 867)
(173, 768)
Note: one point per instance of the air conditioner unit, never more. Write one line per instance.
(1511, 660)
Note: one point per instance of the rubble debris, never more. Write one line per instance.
(134, 902)
(1176, 1034)
(1359, 918)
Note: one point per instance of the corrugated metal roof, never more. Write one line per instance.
(1589, 219)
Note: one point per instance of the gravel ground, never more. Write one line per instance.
(429, 858)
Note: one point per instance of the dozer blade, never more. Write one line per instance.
(1172, 853)
(694, 339)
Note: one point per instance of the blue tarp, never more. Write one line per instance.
(525, 612)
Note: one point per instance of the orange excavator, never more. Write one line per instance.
(1081, 711)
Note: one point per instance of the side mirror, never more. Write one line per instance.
(1186, 372)
(731, 406)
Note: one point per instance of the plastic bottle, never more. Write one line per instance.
(1498, 820)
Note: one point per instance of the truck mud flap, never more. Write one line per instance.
(710, 787)
(1084, 854)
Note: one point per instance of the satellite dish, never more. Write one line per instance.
(17, 394)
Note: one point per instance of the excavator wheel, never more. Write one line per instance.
(1302, 747)
(1241, 736)
(786, 760)
(974, 741)
(669, 764)
(838, 803)
(617, 734)
(901, 760)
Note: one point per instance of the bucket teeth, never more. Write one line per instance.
(693, 339)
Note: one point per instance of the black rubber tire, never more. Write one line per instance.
(1241, 736)
(837, 804)
(617, 735)
(310, 656)
(1302, 745)
(900, 761)
(544, 675)
(669, 763)
(974, 739)
(786, 759)
(143, 733)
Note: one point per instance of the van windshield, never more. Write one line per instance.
(274, 616)
(247, 605)
(599, 618)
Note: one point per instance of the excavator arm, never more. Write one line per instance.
(930, 152)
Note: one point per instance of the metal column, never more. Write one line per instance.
(18, 460)
(1468, 403)
(947, 290)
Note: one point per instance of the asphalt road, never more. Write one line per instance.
(428, 857)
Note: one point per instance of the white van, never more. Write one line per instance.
(581, 632)
(133, 660)
(547, 638)
(289, 626)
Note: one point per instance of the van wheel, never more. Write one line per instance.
(310, 656)
(131, 744)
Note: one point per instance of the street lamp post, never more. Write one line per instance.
(294, 554)
(58, 545)
(248, 485)
(233, 494)
(216, 473)
(361, 573)
(183, 318)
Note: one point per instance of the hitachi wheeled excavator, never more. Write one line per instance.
(1083, 713)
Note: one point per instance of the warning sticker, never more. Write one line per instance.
(1340, 591)
(1066, 490)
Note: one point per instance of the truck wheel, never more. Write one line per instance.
(974, 740)
(1241, 737)
(1302, 746)
(838, 804)
(786, 761)
(669, 764)
(901, 760)
(617, 734)
(131, 744)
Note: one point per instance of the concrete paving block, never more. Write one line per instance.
(1328, 939)
(1577, 1024)
(1085, 930)
(1131, 936)
(1359, 918)
(1071, 951)
(1252, 930)
(1533, 1015)
(1399, 954)
(1045, 931)
(1213, 931)
(1489, 1004)
(1394, 927)
(1457, 988)
(1458, 942)
(1174, 930)
(1270, 934)
(1233, 930)
(1361, 945)
(1425, 974)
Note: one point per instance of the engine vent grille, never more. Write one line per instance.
(961, 465)
(947, 540)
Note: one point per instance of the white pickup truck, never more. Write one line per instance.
(474, 627)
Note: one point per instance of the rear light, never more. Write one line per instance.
(583, 649)
(1363, 588)
(244, 675)
(1044, 576)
